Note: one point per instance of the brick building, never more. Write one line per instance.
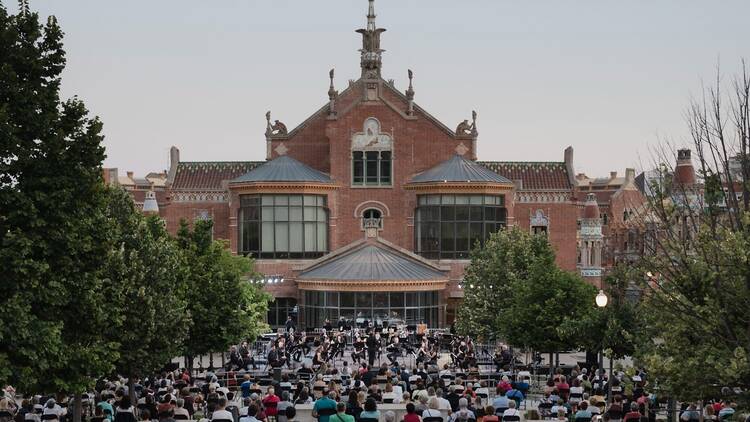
(367, 210)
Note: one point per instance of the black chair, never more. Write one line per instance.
(222, 420)
(512, 418)
(500, 410)
(368, 420)
(181, 417)
(583, 419)
(49, 417)
(388, 400)
(433, 419)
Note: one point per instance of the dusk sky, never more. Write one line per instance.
(610, 78)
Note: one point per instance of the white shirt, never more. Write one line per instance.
(463, 412)
(443, 403)
(431, 412)
(511, 412)
(222, 414)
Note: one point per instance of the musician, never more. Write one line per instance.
(501, 358)
(235, 359)
(290, 326)
(422, 353)
(320, 355)
(394, 351)
(360, 348)
(339, 345)
(274, 357)
(379, 342)
(373, 346)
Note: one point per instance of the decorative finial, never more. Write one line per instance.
(371, 16)
(410, 94)
(474, 123)
(268, 123)
(332, 95)
(371, 51)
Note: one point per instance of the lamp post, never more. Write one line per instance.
(601, 302)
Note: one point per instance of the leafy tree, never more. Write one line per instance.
(505, 259)
(547, 298)
(614, 328)
(697, 333)
(54, 234)
(149, 272)
(224, 305)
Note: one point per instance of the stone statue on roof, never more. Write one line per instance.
(468, 129)
(275, 129)
(278, 128)
(464, 128)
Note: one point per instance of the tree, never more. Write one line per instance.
(224, 305)
(505, 259)
(149, 271)
(54, 234)
(614, 328)
(698, 335)
(545, 300)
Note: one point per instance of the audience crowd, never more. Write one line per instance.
(347, 394)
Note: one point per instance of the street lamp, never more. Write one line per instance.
(601, 302)
(601, 299)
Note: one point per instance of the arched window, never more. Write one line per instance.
(372, 216)
(372, 156)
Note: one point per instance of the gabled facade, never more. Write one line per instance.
(373, 182)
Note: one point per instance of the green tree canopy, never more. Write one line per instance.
(149, 271)
(616, 327)
(505, 259)
(540, 304)
(54, 234)
(224, 305)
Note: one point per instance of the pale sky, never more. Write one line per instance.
(609, 77)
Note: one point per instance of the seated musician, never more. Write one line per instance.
(394, 351)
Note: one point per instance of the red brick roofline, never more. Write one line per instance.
(533, 175)
(324, 109)
(208, 175)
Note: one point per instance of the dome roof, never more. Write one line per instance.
(283, 169)
(459, 169)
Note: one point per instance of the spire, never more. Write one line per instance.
(370, 53)
(371, 16)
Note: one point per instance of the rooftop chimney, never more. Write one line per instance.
(629, 175)
(612, 174)
(684, 173)
(591, 208)
(569, 165)
(130, 174)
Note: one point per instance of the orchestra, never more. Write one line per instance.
(401, 345)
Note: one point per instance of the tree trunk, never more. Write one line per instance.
(189, 365)
(77, 407)
(211, 361)
(131, 392)
(551, 363)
